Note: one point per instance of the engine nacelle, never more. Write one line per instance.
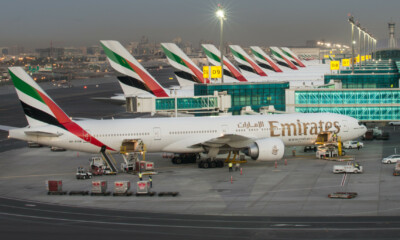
(268, 149)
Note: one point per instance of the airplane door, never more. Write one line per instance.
(224, 129)
(157, 133)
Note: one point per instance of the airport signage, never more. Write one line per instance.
(345, 62)
(335, 65)
(216, 72)
(326, 56)
(362, 58)
(206, 72)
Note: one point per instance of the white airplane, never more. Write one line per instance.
(310, 76)
(262, 137)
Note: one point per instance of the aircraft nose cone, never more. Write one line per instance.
(364, 130)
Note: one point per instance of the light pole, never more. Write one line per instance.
(351, 20)
(359, 42)
(221, 15)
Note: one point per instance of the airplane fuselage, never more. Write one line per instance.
(180, 135)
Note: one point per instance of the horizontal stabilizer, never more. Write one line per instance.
(42, 134)
(6, 128)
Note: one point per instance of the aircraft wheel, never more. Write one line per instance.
(213, 164)
(206, 165)
(201, 164)
(178, 160)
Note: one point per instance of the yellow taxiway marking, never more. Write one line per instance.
(38, 175)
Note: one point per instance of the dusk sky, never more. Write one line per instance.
(34, 23)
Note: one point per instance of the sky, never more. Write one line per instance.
(34, 23)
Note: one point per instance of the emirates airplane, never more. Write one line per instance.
(262, 137)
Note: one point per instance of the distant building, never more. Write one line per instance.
(93, 50)
(311, 43)
(72, 51)
(50, 52)
(15, 50)
(4, 50)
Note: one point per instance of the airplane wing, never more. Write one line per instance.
(198, 144)
(6, 128)
(231, 140)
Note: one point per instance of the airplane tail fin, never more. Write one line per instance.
(278, 55)
(179, 60)
(123, 62)
(264, 60)
(246, 62)
(39, 108)
(291, 54)
(214, 58)
(41, 111)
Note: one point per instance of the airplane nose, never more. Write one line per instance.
(364, 129)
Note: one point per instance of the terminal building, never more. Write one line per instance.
(370, 94)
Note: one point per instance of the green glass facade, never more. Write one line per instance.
(348, 97)
(364, 105)
(393, 54)
(190, 103)
(390, 80)
(255, 95)
(371, 70)
(360, 113)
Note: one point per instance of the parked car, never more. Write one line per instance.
(352, 144)
(394, 123)
(391, 159)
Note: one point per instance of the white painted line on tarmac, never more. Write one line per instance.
(38, 175)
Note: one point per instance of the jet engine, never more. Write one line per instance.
(267, 149)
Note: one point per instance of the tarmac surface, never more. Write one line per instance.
(286, 202)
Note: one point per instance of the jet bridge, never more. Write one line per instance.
(219, 102)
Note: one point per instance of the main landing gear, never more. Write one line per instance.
(185, 158)
(211, 163)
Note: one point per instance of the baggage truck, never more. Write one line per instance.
(347, 169)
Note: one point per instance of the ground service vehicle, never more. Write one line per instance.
(352, 144)
(347, 169)
(82, 173)
(391, 159)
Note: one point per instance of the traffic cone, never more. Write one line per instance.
(77, 154)
(285, 162)
(231, 179)
(241, 171)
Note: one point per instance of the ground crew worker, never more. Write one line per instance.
(140, 176)
(230, 167)
(237, 166)
(357, 165)
(151, 181)
(358, 145)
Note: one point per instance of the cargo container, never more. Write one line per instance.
(122, 188)
(54, 187)
(99, 186)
